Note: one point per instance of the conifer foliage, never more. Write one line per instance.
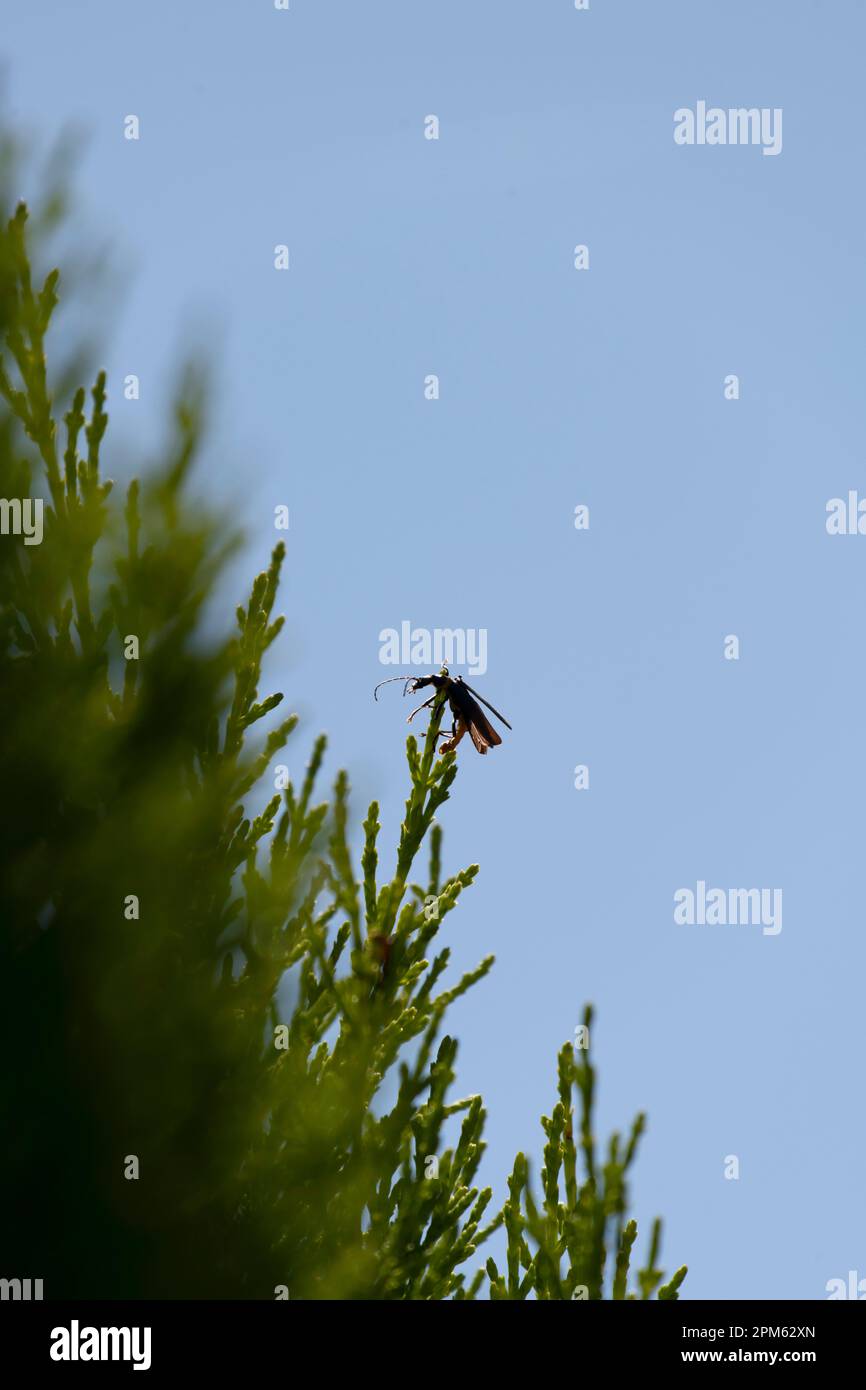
(226, 1071)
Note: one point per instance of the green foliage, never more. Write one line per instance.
(207, 997)
(580, 1223)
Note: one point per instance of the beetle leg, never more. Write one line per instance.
(458, 729)
(426, 705)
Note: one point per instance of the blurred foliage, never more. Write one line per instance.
(217, 995)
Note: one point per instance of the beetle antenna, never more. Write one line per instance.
(388, 682)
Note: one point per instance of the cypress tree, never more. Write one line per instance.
(230, 1075)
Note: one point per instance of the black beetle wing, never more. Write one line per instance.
(481, 731)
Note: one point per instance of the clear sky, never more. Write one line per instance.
(558, 387)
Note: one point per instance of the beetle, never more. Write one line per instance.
(468, 717)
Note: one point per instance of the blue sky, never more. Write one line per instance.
(558, 387)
